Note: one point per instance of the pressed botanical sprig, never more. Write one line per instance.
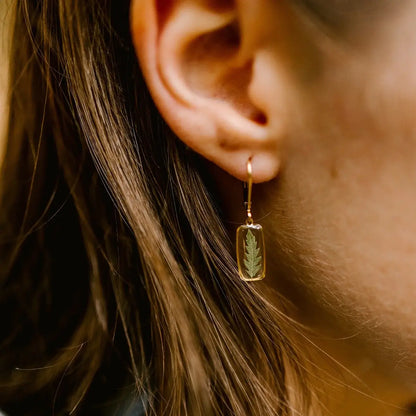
(252, 258)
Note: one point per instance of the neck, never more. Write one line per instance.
(351, 379)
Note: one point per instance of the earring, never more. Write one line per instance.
(251, 251)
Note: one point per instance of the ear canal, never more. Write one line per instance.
(213, 67)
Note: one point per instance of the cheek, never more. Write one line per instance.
(349, 198)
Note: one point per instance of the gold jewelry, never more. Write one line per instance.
(251, 251)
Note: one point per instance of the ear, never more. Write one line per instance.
(209, 67)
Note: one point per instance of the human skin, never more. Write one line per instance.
(346, 195)
(340, 217)
(338, 98)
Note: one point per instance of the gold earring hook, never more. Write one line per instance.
(249, 219)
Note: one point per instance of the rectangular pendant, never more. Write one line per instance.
(251, 253)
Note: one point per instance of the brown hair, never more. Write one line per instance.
(116, 269)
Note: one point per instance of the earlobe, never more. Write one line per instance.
(204, 69)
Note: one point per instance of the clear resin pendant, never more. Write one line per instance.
(251, 253)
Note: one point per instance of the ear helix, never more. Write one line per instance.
(250, 248)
